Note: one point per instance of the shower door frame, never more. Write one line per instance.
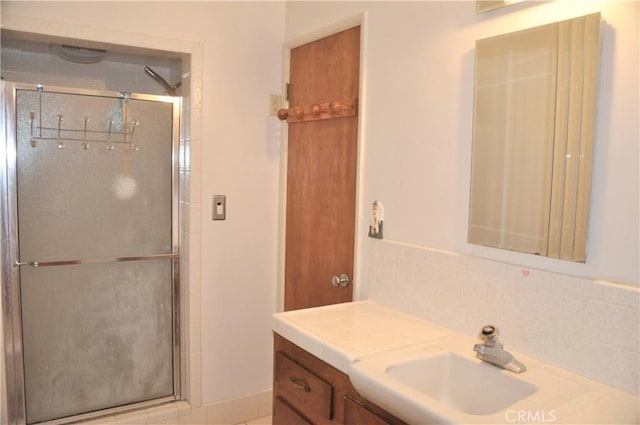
(12, 355)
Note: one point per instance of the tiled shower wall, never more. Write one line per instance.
(585, 326)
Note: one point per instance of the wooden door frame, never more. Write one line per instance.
(345, 24)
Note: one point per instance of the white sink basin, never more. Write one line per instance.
(460, 383)
(432, 385)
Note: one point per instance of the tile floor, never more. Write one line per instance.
(260, 421)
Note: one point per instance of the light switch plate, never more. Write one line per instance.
(219, 207)
(275, 103)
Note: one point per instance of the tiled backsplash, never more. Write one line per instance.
(588, 327)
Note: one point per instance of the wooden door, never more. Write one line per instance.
(321, 170)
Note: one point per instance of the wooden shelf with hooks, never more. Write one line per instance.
(319, 111)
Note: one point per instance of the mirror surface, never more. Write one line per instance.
(483, 6)
(533, 130)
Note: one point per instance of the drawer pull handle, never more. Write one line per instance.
(300, 383)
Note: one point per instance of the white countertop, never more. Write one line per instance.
(340, 334)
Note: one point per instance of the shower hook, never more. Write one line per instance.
(85, 144)
(61, 144)
(110, 146)
(33, 142)
(133, 147)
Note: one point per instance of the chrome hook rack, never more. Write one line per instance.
(84, 136)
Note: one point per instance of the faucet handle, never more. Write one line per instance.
(489, 335)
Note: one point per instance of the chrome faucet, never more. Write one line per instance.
(491, 351)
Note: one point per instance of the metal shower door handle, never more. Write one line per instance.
(342, 281)
(76, 261)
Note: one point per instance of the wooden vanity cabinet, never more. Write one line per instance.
(307, 390)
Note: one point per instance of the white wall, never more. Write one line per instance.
(418, 115)
(235, 152)
(419, 88)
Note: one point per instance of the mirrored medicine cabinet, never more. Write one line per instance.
(533, 131)
(484, 6)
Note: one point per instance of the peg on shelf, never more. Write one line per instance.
(298, 112)
(283, 114)
(317, 109)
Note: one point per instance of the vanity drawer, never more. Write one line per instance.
(286, 415)
(356, 413)
(312, 396)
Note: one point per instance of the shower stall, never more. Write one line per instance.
(89, 251)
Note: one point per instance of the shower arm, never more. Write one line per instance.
(170, 90)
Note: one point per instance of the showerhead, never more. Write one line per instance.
(170, 90)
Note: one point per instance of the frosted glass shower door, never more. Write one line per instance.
(96, 220)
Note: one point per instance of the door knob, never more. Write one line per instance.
(343, 280)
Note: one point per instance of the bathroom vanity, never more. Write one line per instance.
(332, 366)
(307, 390)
